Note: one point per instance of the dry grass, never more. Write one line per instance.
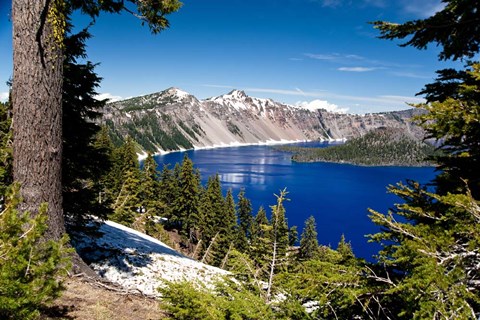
(84, 300)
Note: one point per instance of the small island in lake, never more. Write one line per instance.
(379, 147)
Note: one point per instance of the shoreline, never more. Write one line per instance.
(271, 142)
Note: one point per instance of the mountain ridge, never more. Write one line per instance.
(172, 120)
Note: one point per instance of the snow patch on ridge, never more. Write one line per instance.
(139, 262)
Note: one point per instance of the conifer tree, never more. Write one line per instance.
(227, 230)
(186, 206)
(168, 191)
(229, 223)
(128, 201)
(279, 225)
(31, 269)
(124, 162)
(279, 239)
(344, 248)
(213, 208)
(245, 221)
(5, 150)
(308, 240)
(432, 271)
(149, 184)
(83, 163)
(261, 230)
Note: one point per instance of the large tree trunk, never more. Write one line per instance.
(37, 109)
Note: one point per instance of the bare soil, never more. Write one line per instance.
(87, 300)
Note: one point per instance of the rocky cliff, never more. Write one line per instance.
(175, 120)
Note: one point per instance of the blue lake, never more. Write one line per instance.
(337, 195)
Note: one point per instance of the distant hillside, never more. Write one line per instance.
(174, 120)
(379, 147)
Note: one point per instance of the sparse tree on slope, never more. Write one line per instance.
(186, 205)
(308, 240)
(245, 221)
(279, 239)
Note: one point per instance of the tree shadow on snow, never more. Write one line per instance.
(120, 248)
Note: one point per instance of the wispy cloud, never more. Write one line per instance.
(385, 100)
(356, 69)
(403, 99)
(330, 3)
(410, 75)
(349, 62)
(109, 96)
(3, 96)
(338, 57)
(422, 8)
(287, 92)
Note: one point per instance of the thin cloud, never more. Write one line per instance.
(3, 96)
(356, 69)
(390, 100)
(109, 96)
(331, 3)
(410, 75)
(422, 8)
(403, 99)
(287, 92)
(352, 59)
(334, 56)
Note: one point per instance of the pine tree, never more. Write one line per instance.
(308, 240)
(6, 175)
(279, 239)
(428, 240)
(150, 185)
(31, 269)
(227, 230)
(279, 225)
(124, 162)
(260, 238)
(245, 221)
(344, 248)
(81, 171)
(213, 208)
(186, 206)
(168, 191)
(128, 201)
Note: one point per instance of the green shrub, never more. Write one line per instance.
(30, 267)
(185, 300)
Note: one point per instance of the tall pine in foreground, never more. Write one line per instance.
(430, 242)
(84, 161)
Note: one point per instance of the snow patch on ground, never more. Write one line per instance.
(139, 262)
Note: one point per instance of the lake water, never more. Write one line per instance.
(337, 195)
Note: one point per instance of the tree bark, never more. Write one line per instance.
(37, 110)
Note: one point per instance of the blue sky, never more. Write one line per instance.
(293, 51)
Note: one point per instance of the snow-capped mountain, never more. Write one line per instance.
(174, 119)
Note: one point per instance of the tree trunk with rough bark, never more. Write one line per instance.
(37, 108)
